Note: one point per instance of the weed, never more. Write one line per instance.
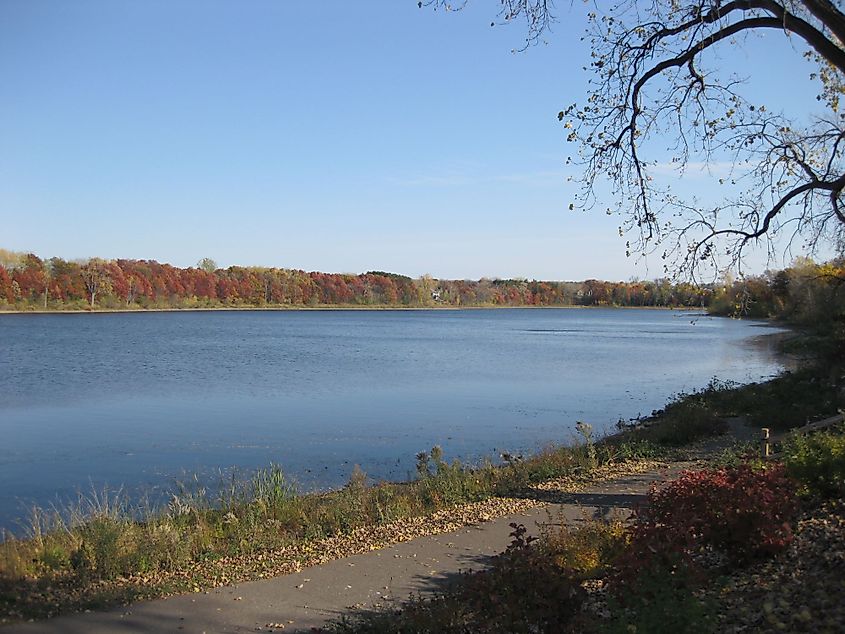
(589, 447)
(276, 498)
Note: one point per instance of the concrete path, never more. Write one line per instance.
(308, 599)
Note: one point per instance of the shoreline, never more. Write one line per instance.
(332, 307)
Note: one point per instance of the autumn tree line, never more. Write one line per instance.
(806, 292)
(28, 282)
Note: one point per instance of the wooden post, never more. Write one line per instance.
(765, 448)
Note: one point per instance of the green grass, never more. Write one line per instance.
(688, 417)
(787, 401)
(782, 403)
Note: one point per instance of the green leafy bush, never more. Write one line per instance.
(443, 484)
(818, 462)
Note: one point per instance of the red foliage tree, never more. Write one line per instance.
(6, 292)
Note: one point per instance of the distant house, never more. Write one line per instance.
(435, 294)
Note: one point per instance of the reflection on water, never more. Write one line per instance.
(138, 399)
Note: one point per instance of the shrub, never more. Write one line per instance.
(587, 550)
(589, 448)
(276, 498)
(106, 550)
(523, 591)
(737, 512)
(817, 462)
(782, 403)
(686, 420)
(740, 511)
(54, 557)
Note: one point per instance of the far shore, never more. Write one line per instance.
(327, 307)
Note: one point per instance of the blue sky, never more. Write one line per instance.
(332, 136)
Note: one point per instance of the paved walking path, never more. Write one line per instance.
(301, 601)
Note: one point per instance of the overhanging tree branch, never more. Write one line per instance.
(641, 98)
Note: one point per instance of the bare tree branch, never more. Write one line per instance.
(794, 176)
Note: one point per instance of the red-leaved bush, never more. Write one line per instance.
(742, 512)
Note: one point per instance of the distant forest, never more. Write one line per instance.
(28, 282)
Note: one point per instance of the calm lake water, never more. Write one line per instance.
(142, 399)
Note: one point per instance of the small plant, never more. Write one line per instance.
(275, 496)
(106, 550)
(351, 503)
(586, 432)
(423, 467)
(443, 484)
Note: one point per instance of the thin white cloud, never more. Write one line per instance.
(465, 179)
(436, 180)
(699, 169)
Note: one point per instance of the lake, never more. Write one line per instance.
(140, 400)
